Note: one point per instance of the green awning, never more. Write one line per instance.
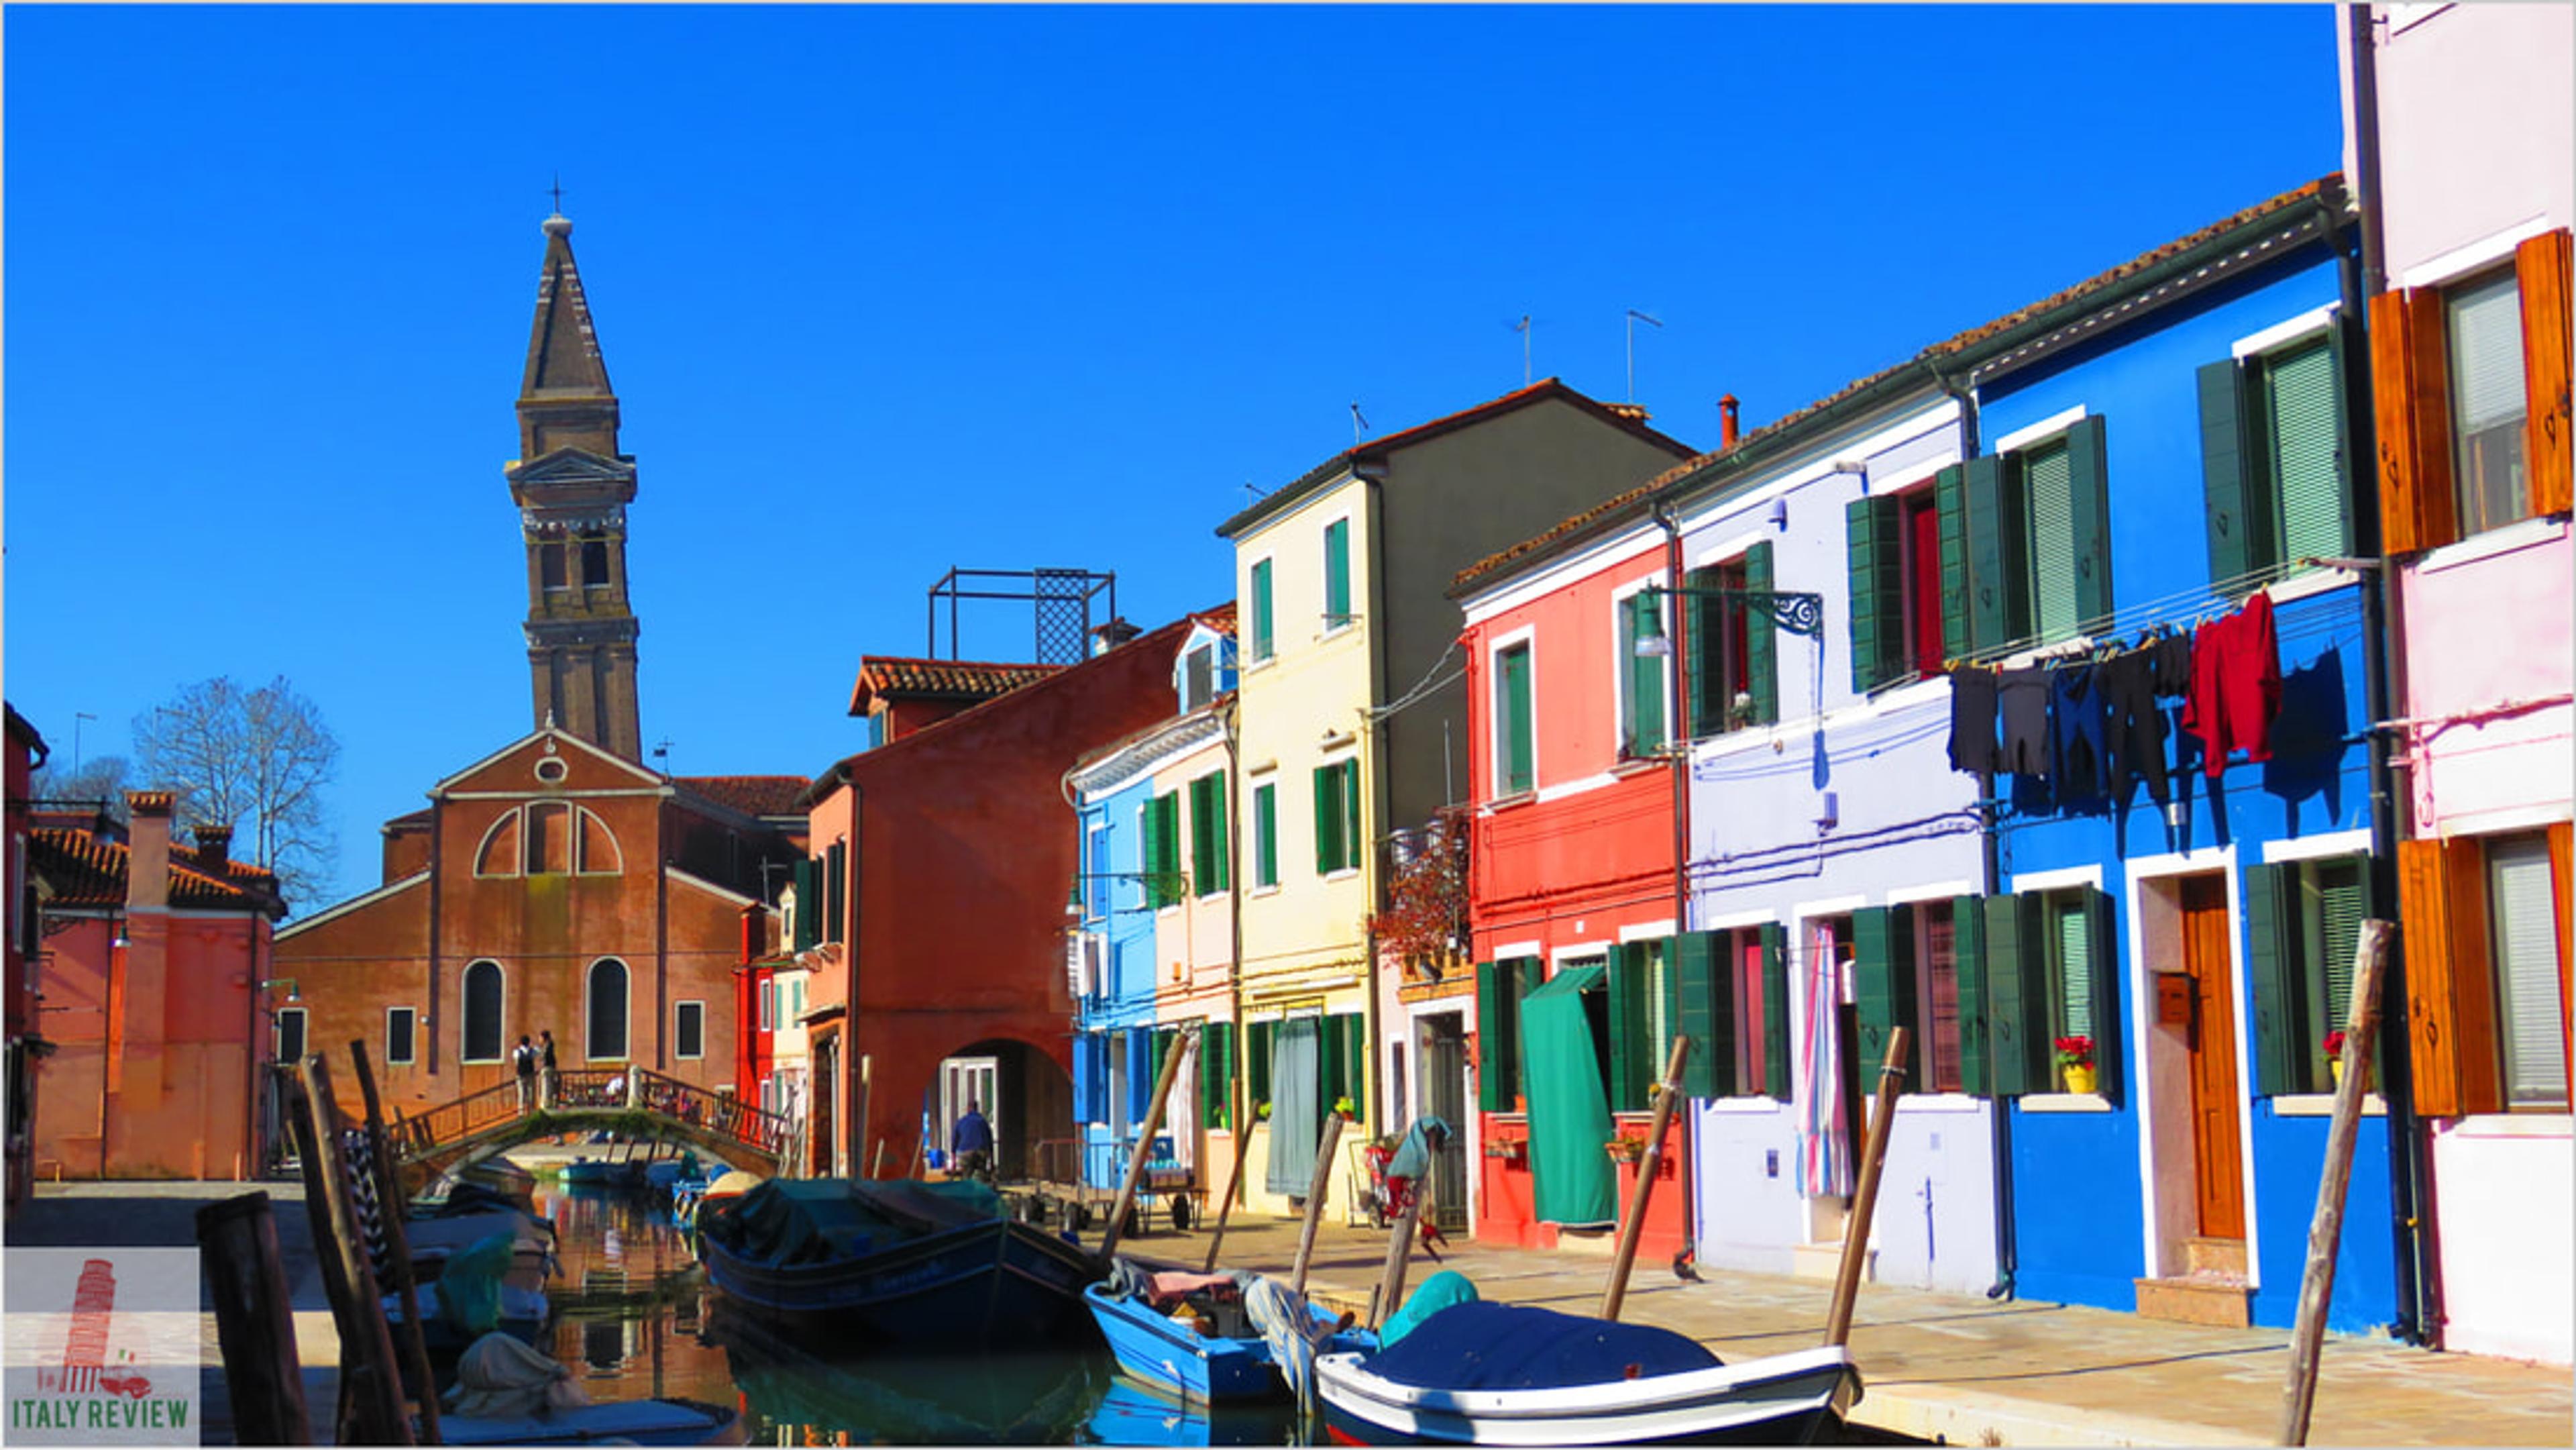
(1569, 1105)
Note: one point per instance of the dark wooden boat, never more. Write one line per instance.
(1498, 1374)
(906, 1262)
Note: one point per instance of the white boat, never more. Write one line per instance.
(1492, 1374)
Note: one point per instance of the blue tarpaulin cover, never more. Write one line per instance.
(1487, 1346)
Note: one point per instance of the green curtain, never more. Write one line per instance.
(1569, 1111)
(1296, 1118)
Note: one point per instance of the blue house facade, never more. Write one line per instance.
(2183, 836)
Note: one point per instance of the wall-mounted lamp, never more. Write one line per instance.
(1652, 642)
(1857, 467)
(294, 994)
(1829, 812)
(1780, 514)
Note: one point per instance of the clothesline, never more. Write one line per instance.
(2192, 606)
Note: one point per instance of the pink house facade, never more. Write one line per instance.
(2459, 126)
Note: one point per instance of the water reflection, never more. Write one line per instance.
(637, 1319)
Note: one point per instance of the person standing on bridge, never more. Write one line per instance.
(972, 1143)
(524, 1059)
(546, 1071)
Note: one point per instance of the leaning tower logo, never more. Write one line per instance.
(103, 1346)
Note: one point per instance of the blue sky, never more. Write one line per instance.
(888, 290)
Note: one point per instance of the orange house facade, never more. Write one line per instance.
(1571, 884)
(155, 982)
(551, 886)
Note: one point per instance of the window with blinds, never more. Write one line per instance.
(2072, 961)
(2303, 436)
(1641, 677)
(1261, 609)
(1337, 574)
(2048, 482)
(1265, 835)
(2483, 327)
(2523, 931)
(1936, 951)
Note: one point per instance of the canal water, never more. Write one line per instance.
(636, 1318)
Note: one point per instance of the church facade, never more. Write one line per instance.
(557, 884)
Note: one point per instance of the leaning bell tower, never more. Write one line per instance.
(572, 487)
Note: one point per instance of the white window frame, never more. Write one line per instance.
(1622, 707)
(465, 1013)
(410, 1038)
(1328, 625)
(1496, 725)
(589, 987)
(679, 1010)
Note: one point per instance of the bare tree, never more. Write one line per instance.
(101, 778)
(256, 760)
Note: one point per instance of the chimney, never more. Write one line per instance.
(755, 932)
(1726, 424)
(1111, 635)
(214, 846)
(147, 876)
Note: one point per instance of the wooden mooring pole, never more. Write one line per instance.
(254, 1321)
(382, 1419)
(1225, 1206)
(867, 1090)
(1891, 1076)
(391, 1204)
(2325, 1230)
(1145, 1142)
(1389, 1295)
(1317, 1187)
(1649, 1167)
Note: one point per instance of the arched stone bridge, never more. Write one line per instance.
(635, 1103)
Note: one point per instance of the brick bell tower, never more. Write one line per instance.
(572, 487)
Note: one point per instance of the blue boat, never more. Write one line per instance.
(1198, 1342)
(903, 1262)
(1133, 1413)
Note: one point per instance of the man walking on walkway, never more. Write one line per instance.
(524, 1059)
(972, 1143)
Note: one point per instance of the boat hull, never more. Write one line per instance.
(1789, 1399)
(625, 1422)
(1167, 1353)
(990, 1283)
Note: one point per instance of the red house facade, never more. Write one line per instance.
(1571, 883)
(941, 864)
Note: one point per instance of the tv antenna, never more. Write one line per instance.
(1635, 317)
(1523, 328)
(662, 754)
(1359, 426)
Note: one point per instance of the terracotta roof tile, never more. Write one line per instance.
(1221, 619)
(84, 870)
(893, 675)
(2325, 187)
(753, 795)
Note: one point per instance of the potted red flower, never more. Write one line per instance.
(2333, 1047)
(2075, 1063)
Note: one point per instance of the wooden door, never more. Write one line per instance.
(2217, 1160)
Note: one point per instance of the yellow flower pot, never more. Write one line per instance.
(2335, 1065)
(2079, 1079)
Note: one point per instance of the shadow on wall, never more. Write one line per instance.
(2308, 738)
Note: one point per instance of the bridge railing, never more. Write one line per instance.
(460, 1118)
(595, 1089)
(751, 1126)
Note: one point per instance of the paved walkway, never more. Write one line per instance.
(1973, 1372)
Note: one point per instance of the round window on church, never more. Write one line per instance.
(551, 770)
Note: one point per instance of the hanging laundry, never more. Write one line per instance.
(2235, 686)
(2077, 745)
(2134, 722)
(2172, 653)
(2022, 697)
(1824, 1153)
(1972, 719)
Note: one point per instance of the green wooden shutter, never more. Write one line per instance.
(2089, 506)
(1704, 1012)
(836, 873)
(1775, 1009)
(1328, 830)
(1337, 572)
(1641, 618)
(1261, 633)
(1355, 1042)
(1873, 531)
(809, 903)
(2272, 960)
(1328, 1063)
(1761, 639)
(2343, 901)
(1968, 958)
(1512, 705)
(1950, 508)
(2303, 416)
(1207, 835)
(1352, 835)
(1257, 1040)
(2235, 529)
(1705, 682)
(1265, 835)
(1214, 1039)
(1994, 527)
(2019, 1026)
(1521, 976)
(2103, 947)
(2052, 581)
(1883, 986)
(1496, 1015)
(1149, 856)
(1630, 1050)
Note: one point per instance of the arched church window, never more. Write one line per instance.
(594, 562)
(482, 1015)
(549, 833)
(499, 853)
(599, 856)
(606, 1017)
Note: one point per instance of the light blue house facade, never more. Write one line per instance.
(2167, 447)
